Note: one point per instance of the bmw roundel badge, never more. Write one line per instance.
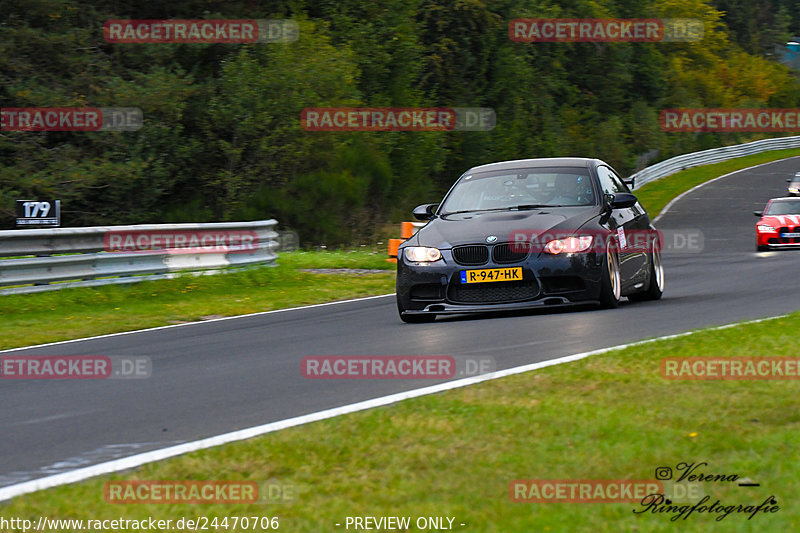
(491, 238)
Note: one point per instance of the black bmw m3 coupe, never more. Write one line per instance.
(529, 233)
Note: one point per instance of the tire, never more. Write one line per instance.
(413, 319)
(655, 287)
(610, 291)
(762, 248)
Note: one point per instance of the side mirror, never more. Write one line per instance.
(623, 200)
(629, 182)
(758, 213)
(424, 211)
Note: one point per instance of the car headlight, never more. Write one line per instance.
(422, 254)
(570, 245)
(765, 227)
(794, 189)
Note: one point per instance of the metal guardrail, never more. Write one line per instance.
(714, 155)
(90, 264)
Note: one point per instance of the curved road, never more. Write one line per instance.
(215, 377)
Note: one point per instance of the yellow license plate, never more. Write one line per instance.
(491, 274)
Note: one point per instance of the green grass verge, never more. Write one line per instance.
(74, 313)
(610, 416)
(655, 195)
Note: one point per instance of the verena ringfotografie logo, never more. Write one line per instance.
(692, 477)
(200, 31)
(730, 368)
(71, 119)
(730, 120)
(394, 366)
(74, 367)
(398, 119)
(572, 30)
(567, 241)
(188, 241)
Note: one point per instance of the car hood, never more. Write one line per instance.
(780, 220)
(472, 228)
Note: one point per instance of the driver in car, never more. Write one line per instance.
(571, 190)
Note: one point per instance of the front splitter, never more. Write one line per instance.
(454, 309)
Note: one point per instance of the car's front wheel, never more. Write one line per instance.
(413, 319)
(610, 291)
(656, 286)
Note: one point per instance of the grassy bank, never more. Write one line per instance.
(610, 416)
(74, 313)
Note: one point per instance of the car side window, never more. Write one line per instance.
(609, 182)
(618, 181)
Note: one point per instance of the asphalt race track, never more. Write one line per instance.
(215, 377)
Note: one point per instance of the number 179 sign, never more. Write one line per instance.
(38, 213)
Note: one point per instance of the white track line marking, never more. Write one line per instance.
(681, 195)
(134, 461)
(107, 335)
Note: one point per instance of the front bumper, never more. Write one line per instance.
(774, 240)
(548, 281)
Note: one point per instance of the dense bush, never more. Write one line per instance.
(222, 138)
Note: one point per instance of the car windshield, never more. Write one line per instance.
(521, 189)
(784, 208)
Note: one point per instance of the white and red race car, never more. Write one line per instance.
(779, 224)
